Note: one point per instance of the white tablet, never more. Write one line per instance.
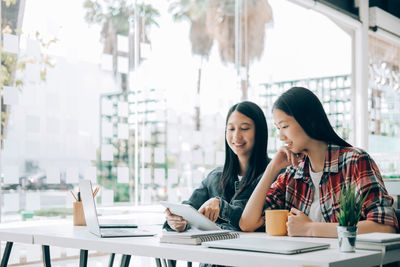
(190, 214)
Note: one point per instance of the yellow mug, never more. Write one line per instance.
(275, 222)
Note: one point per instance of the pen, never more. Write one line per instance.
(79, 196)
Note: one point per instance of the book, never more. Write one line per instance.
(196, 237)
(378, 241)
(378, 246)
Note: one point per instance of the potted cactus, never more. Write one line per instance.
(348, 215)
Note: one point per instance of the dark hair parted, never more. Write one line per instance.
(258, 159)
(308, 111)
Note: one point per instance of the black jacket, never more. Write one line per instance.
(230, 209)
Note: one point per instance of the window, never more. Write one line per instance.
(138, 105)
(384, 105)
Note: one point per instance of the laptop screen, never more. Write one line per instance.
(89, 206)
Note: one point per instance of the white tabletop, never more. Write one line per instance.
(17, 235)
(65, 235)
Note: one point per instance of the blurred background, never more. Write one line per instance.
(133, 94)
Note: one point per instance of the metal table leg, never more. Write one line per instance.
(171, 263)
(158, 262)
(111, 260)
(6, 254)
(46, 256)
(83, 259)
(125, 260)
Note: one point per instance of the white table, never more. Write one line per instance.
(14, 234)
(65, 235)
(20, 233)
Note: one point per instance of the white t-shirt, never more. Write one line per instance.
(315, 211)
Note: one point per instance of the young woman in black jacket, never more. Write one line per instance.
(223, 195)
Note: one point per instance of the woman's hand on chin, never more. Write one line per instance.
(285, 157)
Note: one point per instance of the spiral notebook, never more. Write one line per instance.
(196, 237)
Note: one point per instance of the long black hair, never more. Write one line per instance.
(308, 111)
(258, 158)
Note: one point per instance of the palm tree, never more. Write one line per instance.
(195, 11)
(253, 19)
(215, 20)
(114, 18)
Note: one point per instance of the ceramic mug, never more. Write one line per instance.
(275, 222)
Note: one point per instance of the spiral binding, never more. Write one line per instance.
(215, 237)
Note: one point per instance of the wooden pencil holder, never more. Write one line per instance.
(79, 215)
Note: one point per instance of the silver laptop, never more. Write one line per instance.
(92, 222)
(266, 245)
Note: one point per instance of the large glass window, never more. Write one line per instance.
(384, 105)
(134, 98)
(334, 93)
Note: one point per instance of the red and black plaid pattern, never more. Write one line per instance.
(343, 166)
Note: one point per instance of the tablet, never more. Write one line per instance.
(190, 214)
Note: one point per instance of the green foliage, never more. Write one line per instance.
(54, 212)
(122, 193)
(11, 64)
(118, 14)
(190, 10)
(350, 206)
(109, 181)
(10, 2)
(8, 63)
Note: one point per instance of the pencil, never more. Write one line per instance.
(73, 195)
(96, 191)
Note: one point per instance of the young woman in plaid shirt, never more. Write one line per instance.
(318, 163)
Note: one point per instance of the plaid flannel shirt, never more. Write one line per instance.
(343, 165)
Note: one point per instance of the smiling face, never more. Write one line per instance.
(240, 134)
(290, 132)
